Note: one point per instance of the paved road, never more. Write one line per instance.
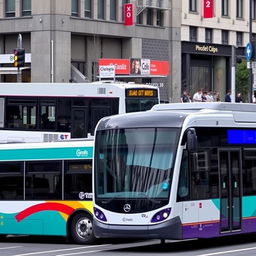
(52, 246)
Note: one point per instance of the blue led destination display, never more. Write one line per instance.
(241, 136)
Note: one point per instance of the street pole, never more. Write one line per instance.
(233, 74)
(19, 45)
(250, 39)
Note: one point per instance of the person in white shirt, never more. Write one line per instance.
(209, 97)
(197, 97)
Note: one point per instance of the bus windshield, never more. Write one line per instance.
(136, 105)
(135, 163)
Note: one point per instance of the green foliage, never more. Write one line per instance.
(242, 79)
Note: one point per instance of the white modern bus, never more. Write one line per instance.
(180, 171)
(46, 189)
(71, 108)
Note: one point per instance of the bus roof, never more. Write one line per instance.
(196, 106)
(95, 89)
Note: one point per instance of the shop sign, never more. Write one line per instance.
(206, 48)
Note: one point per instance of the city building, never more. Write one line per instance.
(207, 42)
(64, 39)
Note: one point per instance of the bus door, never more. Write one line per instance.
(230, 190)
(79, 122)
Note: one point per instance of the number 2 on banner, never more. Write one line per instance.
(208, 4)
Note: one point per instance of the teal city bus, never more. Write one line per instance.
(46, 189)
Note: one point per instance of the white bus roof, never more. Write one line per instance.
(96, 89)
(221, 106)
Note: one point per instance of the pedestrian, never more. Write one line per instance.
(185, 97)
(216, 96)
(204, 97)
(209, 97)
(197, 97)
(228, 97)
(239, 98)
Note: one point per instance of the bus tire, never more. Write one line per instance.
(81, 229)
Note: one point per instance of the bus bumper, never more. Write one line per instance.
(171, 229)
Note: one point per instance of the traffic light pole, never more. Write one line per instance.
(19, 45)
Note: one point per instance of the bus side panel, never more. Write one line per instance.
(201, 219)
(38, 218)
(249, 214)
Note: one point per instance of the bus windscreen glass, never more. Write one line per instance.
(135, 163)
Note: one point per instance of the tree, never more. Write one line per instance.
(242, 80)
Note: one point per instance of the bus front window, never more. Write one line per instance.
(135, 163)
(136, 105)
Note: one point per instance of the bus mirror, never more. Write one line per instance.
(191, 140)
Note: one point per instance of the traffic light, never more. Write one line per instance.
(19, 57)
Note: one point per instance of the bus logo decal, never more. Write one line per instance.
(82, 153)
(127, 207)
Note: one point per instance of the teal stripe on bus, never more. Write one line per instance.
(46, 153)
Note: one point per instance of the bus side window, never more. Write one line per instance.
(78, 179)
(11, 181)
(183, 186)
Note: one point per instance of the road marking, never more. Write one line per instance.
(77, 253)
(226, 252)
(61, 250)
(11, 247)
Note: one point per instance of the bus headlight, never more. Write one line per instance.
(162, 215)
(99, 214)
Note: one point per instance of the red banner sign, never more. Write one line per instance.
(122, 66)
(128, 14)
(137, 66)
(208, 9)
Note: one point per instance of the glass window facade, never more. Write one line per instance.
(239, 8)
(101, 9)
(88, 8)
(192, 5)
(225, 6)
(26, 7)
(9, 8)
(113, 4)
(74, 8)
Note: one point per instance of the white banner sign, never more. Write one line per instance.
(107, 71)
(145, 66)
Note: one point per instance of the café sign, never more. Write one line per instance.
(206, 48)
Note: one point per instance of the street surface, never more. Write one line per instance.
(56, 246)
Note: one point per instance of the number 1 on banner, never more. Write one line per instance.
(208, 9)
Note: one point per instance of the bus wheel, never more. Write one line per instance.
(81, 229)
